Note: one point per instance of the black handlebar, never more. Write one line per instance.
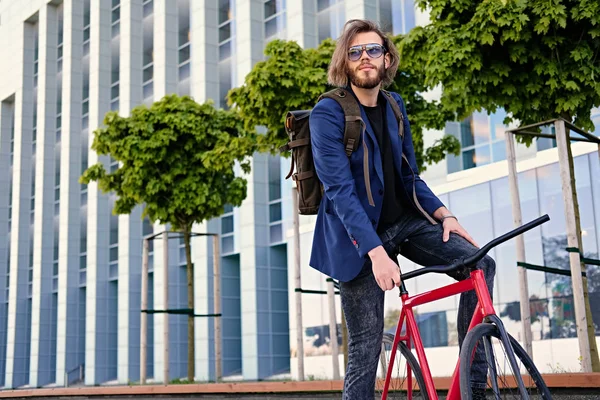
(471, 261)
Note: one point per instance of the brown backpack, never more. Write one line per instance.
(310, 188)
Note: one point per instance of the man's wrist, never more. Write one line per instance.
(443, 213)
(377, 252)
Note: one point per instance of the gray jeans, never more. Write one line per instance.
(362, 300)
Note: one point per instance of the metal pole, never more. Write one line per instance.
(298, 283)
(144, 316)
(519, 243)
(333, 330)
(217, 301)
(166, 304)
(562, 142)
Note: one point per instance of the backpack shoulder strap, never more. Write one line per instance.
(397, 112)
(354, 123)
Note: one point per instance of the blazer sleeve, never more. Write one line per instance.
(333, 169)
(428, 200)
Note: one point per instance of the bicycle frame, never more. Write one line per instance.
(484, 308)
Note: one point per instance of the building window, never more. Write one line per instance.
(183, 7)
(402, 13)
(227, 231)
(148, 56)
(275, 201)
(274, 19)
(481, 138)
(226, 35)
(331, 17)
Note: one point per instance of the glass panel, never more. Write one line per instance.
(86, 34)
(476, 157)
(226, 224)
(274, 178)
(275, 212)
(497, 124)
(276, 233)
(184, 71)
(224, 11)
(272, 26)
(114, 229)
(116, 13)
(225, 50)
(596, 120)
(114, 254)
(148, 8)
(148, 57)
(499, 151)
(227, 208)
(148, 73)
(82, 262)
(115, 3)
(82, 277)
(227, 244)
(385, 13)
(472, 206)
(224, 82)
(323, 4)
(148, 90)
(183, 8)
(114, 105)
(272, 7)
(113, 271)
(225, 32)
(114, 91)
(184, 54)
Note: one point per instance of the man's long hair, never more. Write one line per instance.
(337, 74)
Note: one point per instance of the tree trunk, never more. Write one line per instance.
(190, 290)
(588, 311)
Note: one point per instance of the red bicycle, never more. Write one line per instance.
(486, 328)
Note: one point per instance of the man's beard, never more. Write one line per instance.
(368, 82)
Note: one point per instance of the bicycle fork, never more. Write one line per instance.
(509, 353)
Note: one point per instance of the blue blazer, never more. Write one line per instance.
(346, 224)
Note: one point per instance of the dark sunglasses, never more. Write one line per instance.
(374, 50)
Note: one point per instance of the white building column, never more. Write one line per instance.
(205, 85)
(130, 225)
(70, 197)
(97, 339)
(203, 259)
(301, 24)
(253, 233)
(6, 124)
(17, 373)
(43, 236)
(362, 9)
(165, 82)
(204, 19)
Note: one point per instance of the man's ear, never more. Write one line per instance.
(386, 61)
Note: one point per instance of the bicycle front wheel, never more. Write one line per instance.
(399, 384)
(501, 380)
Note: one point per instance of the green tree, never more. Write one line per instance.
(176, 158)
(292, 78)
(536, 59)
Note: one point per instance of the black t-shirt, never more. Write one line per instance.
(394, 198)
